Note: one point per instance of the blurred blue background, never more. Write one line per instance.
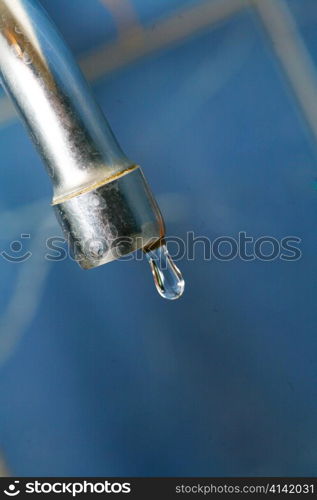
(99, 376)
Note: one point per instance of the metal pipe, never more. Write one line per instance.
(101, 198)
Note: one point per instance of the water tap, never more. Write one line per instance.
(102, 199)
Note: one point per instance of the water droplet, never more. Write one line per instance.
(168, 279)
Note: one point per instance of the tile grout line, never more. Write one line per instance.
(293, 55)
(165, 32)
(124, 16)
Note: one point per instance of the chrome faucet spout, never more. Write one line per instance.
(101, 198)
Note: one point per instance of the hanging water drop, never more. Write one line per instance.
(168, 279)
